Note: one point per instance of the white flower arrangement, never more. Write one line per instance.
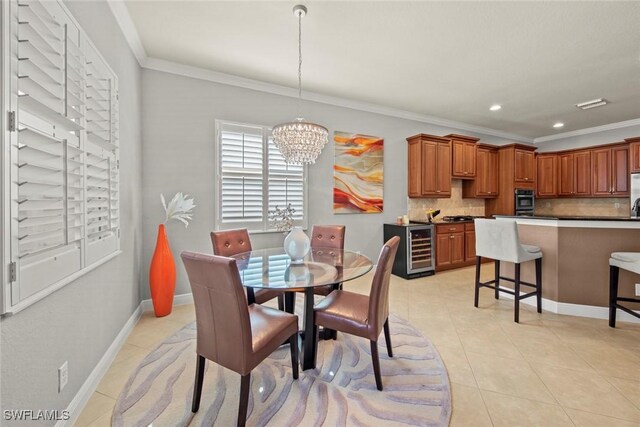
(282, 219)
(179, 208)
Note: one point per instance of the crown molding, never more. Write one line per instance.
(232, 80)
(121, 13)
(586, 131)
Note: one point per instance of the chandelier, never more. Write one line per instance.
(300, 141)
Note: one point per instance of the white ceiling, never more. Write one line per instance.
(445, 59)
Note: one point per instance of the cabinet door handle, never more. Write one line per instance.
(451, 237)
(452, 229)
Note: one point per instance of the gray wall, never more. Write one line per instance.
(178, 117)
(80, 321)
(598, 138)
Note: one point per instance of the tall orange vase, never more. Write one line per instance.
(162, 275)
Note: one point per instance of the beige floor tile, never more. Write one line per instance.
(508, 376)
(490, 342)
(97, 406)
(151, 331)
(457, 365)
(127, 351)
(629, 388)
(103, 421)
(551, 353)
(186, 313)
(588, 419)
(508, 411)
(440, 332)
(118, 374)
(608, 360)
(468, 408)
(587, 392)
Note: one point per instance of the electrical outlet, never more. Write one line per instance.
(63, 376)
(638, 289)
(616, 205)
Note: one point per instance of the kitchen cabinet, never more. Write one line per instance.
(634, 154)
(486, 183)
(547, 174)
(610, 171)
(453, 243)
(575, 173)
(429, 166)
(463, 156)
(525, 165)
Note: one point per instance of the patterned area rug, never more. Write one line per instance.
(341, 390)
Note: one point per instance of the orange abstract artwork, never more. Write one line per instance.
(358, 173)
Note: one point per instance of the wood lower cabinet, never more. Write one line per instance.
(429, 166)
(455, 245)
(634, 154)
(547, 172)
(485, 185)
(463, 156)
(610, 171)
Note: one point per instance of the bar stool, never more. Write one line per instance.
(629, 261)
(498, 239)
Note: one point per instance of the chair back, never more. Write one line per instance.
(230, 242)
(222, 315)
(328, 236)
(379, 297)
(498, 239)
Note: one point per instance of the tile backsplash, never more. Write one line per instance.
(584, 207)
(455, 205)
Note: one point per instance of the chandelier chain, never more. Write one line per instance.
(299, 64)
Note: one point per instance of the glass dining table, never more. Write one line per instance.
(272, 269)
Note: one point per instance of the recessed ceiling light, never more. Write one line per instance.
(495, 107)
(558, 125)
(592, 104)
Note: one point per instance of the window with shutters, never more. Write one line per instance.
(61, 179)
(253, 178)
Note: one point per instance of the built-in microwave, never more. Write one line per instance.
(524, 202)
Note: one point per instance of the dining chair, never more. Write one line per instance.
(229, 332)
(328, 237)
(362, 315)
(232, 242)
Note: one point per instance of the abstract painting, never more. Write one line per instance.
(358, 173)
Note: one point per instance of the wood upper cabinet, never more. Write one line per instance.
(634, 154)
(525, 167)
(429, 166)
(547, 175)
(486, 183)
(610, 171)
(463, 156)
(574, 173)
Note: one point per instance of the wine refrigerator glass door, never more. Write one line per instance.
(420, 249)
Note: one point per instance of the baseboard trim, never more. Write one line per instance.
(182, 299)
(88, 388)
(579, 310)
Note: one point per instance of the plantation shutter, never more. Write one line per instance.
(286, 183)
(241, 175)
(63, 151)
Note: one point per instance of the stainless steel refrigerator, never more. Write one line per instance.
(635, 195)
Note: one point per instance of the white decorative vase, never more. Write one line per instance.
(297, 245)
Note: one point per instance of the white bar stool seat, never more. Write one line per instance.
(629, 261)
(498, 239)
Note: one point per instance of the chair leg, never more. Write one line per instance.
(477, 290)
(497, 278)
(197, 386)
(281, 302)
(516, 290)
(293, 343)
(387, 338)
(539, 284)
(245, 383)
(376, 364)
(614, 272)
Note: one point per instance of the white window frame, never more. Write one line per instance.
(264, 226)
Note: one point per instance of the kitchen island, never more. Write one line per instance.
(575, 263)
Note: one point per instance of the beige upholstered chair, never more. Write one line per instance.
(361, 315)
(498, 239)
(230, 333)
(629, 261)
(232, 242)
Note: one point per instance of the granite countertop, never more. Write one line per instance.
(571, 218)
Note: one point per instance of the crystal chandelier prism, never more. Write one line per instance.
(300, 141)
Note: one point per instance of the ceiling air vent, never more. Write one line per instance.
(592, 104)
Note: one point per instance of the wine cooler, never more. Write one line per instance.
(416, 253)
